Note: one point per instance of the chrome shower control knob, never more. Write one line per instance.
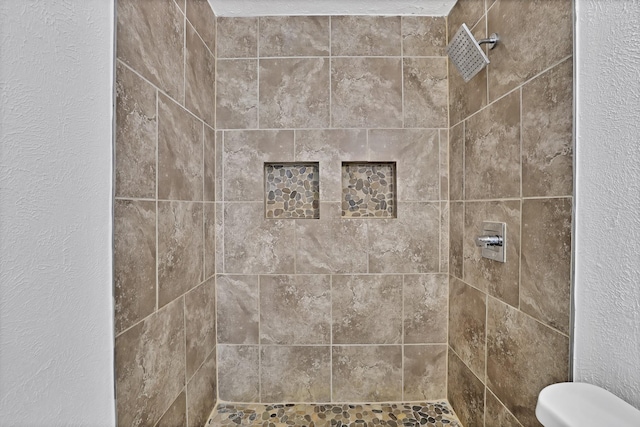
(486, 241)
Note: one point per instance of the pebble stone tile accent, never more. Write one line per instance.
(427, 414)
(368, 190)
(292, 190)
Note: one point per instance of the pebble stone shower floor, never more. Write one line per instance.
(428, 414)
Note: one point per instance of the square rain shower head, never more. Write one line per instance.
(466, 53)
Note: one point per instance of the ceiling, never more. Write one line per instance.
(331, 7)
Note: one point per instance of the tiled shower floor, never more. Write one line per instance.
(428, 414)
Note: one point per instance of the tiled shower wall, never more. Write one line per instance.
(332, 309)
(164, 213)
(511, 161)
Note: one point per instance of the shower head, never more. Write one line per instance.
(466, 53)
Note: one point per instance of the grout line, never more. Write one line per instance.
(259, 342)
(184, 61)
(521, 207)
(156, 201)
(402, 338)
(222, 202)
(204, 234)
(331, 337)
(184, 390)
(486, 353)
(258, 74)
(330, 77)
(186, 383)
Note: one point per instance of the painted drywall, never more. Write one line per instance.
(331, 7)
(56, 328)
(607, 315)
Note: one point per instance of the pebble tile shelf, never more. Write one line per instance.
(368, 190)
(292, 190)
(429, 414)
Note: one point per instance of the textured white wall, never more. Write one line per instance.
(56, 330)
(607, 323)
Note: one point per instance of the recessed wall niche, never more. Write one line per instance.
(292, 190)
(369, 190)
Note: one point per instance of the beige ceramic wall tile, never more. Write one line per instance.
(444, 237)
(467, 325)
(218, 166)
(500, 280)
(456, 239)
(523, 357)
(200, 324)
(209, 164)
(182, 4)
(201, 392)
(331, 147)
(498, 415)
(134, 260)
(367, 373)
(360, 302)
(444, 164)
(416, 153)
(295, 374)
(366, 92)
(237, 309)
(365, 36)
(465, 393)
(295, 309)
(546, 241)
(150, 39)
(547, 133)
(238, 373)
(180, 150)
(515, 59)
(492, 151)
(425, 372)
(255, 245)
(180, 249)
(237, 94)
(200, 15)
(150, 357)
(237, 37)
(200, 78)
(219, 237)
(425, 92)
(407, 244)
(294, 93)
(294, 36)
(176, 415)
(456, 162)
(424, 35)
(425, 308)
(209, 239)
(245, 153)
(135, 154)
(465, 11)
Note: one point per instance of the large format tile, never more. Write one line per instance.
(416, 153)
(237, 37)
(210, 238)
(238, 373)
(180, 149)
(210, 173)
(244, 155)
(407, 244)
(255, 245)
(498, 279)
(456, 162)
(200, 78)
(295, 374)
(465, 393)
(294, 36)
(237, 309)
(425, 92)
(547, 133)
(367, 373)
(150, 39)
(294, 92)
(179, 249)
(365, 36)
(366, 92)
(467, 325)
(444, 164)
(134, 261)
(200, 324)
(498, 415)
(492, 151)
(456, 239)
(546, 241)
(201, 16)
(149, 360)
(425, 308)
(465, 11)
(201, 392)
(331, 147)
(527, 30)
(176, 415)
(425, 372)
(237, 94)
(523, 357)
(135, 147)
(444, 236)
(424, 35)
(295, 309)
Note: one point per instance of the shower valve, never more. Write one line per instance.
(486, 241)
(492, 240)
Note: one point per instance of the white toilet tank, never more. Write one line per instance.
(583, 405)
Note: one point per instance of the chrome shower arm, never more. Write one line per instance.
(492, 40)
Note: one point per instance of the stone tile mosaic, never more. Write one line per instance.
(292, 190)
(429, 414)
(369, 190)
